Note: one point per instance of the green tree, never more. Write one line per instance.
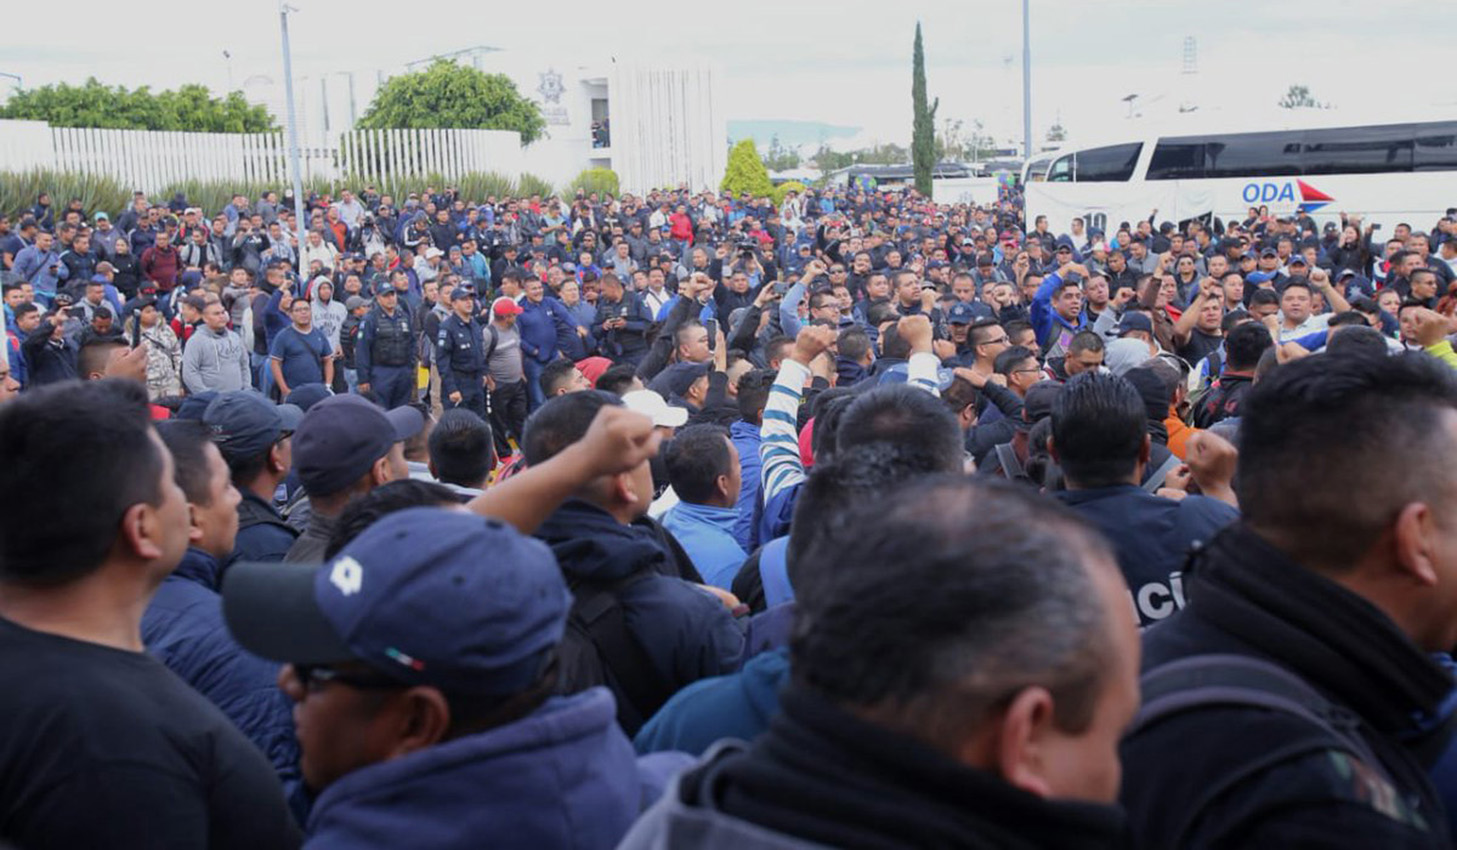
(191, 108)
(827, 160)
(451, 96)
(889, 153)
(746, 171)
(923, 127)
(1056, 133)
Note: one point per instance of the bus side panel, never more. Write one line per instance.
(1418, 199)
(1102, 206)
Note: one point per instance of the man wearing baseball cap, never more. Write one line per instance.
(385, 352)
(254, 436)
(506, 373)
(424, 688)
(343, 447)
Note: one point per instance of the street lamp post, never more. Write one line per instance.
(293, 155)
(1026, 80)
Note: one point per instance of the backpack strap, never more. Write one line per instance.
(492, 338)
(1239, 681)
(774, 572)
(1156, 480)
(598, 606)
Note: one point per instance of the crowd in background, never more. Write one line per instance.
(694, 520)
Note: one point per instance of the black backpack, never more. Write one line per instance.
(598, 649)
(1205, 681)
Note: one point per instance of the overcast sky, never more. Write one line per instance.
(846, 62)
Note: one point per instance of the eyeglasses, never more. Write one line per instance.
(316, 676)
(1001, 340)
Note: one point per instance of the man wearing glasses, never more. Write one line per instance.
(424, 689)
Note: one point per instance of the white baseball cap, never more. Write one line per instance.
(652, 405)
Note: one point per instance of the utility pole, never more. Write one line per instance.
(1026, 80)
(298, 189)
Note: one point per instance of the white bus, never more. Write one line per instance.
(1387, 173)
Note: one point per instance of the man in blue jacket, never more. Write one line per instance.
(1100, 439)
(541, 317)
(703, 467)
(183, 625)
(440, 730)
(1057, 309)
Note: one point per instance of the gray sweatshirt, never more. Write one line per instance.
(215, 361)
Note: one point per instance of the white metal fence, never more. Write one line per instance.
(149, 161)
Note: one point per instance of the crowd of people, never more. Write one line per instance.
(694, 520)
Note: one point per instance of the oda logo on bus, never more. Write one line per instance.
(1285, 191)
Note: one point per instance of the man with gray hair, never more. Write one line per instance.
(994, 722)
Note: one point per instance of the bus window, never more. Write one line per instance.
(1436, 148)
(1253, 155)
(1358, 150)
(1061, 170)
(1177, 159)
(1107, 165)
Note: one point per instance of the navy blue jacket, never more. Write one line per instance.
(687, 633)
(1152, 537)
(538, 326)
(561, 777)
(183, 628)
(263, 536)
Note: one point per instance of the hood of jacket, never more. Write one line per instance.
(590, 544)
(564, 776)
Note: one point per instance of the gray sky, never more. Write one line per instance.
(844, 63)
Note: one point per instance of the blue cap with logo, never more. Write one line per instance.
(1133, 321)
(961, 313)
(427, 596)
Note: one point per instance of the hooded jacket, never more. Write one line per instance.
(706, 532)
(1248, 598)
(687, 633)
(821, 777)
(738, 705)
(562, 777)
(183, 628)
(215, 361)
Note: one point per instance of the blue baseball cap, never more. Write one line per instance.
(245, 424)
(677, 379)
(1132, 321)
(961, 313)
(194, 407)
(341, 437)
(427, 596)
(1259, 277)
(306, 396)
(385, 286)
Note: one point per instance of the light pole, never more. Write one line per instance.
(228, 57)
(298, 189)
(1026, 80)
